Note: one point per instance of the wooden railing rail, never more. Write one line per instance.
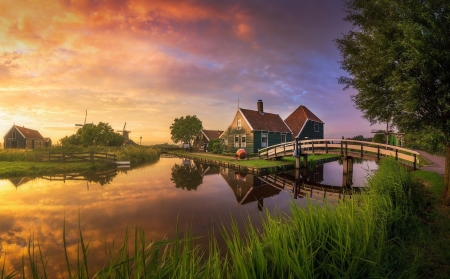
(340, 146)
(75, 157)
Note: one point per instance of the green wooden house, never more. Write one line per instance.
(305, 124)
(255, 129)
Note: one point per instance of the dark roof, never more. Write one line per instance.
(29, 133)
(298, 118)
(265, 121)
(212, 134)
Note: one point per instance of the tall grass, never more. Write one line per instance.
(361, 237)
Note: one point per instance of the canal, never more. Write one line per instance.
(156, 197)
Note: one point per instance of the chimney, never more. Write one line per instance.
(260, 106)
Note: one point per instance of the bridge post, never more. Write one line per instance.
(396, 154)
(342, 150)
(378, 155)
(297, 154)
(415, 161)
(347, 175)
(346, 148)
(362, 155)
(326, 147)
(312, 143)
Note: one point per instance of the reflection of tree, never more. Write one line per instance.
(186, 177)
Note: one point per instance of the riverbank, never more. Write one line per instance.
(392, 230)
(253, 165)
(19, 162)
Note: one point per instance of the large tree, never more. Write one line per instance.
(91, 134)
(398, 56)
(185, 129)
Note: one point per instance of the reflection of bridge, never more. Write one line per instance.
(303, 187)
(351, 148)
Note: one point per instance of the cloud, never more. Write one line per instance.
(148, 62)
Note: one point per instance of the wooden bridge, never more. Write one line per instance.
(352, 148)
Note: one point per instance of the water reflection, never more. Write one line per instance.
(146, 198)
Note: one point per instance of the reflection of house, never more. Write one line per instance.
(305, 124)
(21, 137)
(17, 181)
(255, 129)
(247, 188)
(203, 138)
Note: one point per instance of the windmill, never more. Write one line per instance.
(81, 125)
(124, 132)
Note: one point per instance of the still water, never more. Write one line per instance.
(155, 198)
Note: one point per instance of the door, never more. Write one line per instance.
(263, 140)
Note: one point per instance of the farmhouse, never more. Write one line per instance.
(305, 124)
(255, 129)
(21, 137)
(202, 139)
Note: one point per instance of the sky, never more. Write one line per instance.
(147, 63)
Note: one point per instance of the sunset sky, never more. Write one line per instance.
(148, 62)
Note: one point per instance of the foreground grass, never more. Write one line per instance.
(19, 162)
(432, 241)
(368, 236)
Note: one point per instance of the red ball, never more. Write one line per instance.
(241, 153)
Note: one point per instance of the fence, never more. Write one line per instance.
(65, 157)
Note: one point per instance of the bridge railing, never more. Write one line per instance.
(340, 146)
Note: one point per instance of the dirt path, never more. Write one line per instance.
(437, 162)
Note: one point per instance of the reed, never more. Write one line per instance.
(362, 237)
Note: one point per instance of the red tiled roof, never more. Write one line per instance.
(212, 134)
(298, 118)
(29, 133)
(265, 122)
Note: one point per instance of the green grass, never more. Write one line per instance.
(432, 241)
(34, 169)
(20, 162)
(369, 236)
(253, 162)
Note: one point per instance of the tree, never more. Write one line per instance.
(185, 129)
(398, 57)
(186, 177)
(91, 134)
(215, 146)
(379, 138)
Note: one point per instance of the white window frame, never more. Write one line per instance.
(239, 124)
(236, 141)
(316, 127)
(14, 134)
(243, 141)
(283, 135)
(264, 144)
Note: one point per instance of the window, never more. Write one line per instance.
(14, 134)
(200, 136)
(243, 143)
(316, 127)
(236, 141)
(239, 126)
(263, 140)
(283, 138)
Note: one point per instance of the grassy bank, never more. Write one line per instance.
(373, 235)
(254, 162)
(19, 162)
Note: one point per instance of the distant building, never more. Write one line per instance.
(202, 139)
(305, 124)
(255, 129)
(21, 137)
